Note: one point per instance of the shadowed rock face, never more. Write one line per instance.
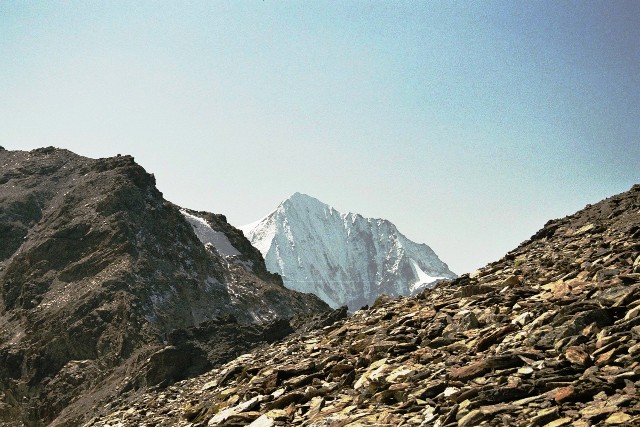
(547, 336)
(98, 271)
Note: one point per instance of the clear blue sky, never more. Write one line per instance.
(467, 124)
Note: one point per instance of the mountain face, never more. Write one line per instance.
(345, 259)
(549, 335)
(105, 286)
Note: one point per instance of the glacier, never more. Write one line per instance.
(345, 259)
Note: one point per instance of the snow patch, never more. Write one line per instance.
(261, 233)
(208, 235)
(424, 280)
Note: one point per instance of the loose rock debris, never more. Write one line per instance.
(547, 336)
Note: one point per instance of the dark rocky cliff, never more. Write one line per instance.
(98, 276)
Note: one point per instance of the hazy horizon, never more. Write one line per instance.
(467, 125)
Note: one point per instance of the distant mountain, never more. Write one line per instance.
(345, 259)
(106, 287)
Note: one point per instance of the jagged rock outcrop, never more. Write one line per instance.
(547, 336)
(345, 259)
(105, 286)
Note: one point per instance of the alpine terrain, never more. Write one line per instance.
(345, 259)
(105, 287)
(549, 335)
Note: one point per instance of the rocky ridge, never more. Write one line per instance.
(547, 336)
(105, 286)
(345, 259)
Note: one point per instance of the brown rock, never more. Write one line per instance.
(595, 412)
(606, 357)
(341, 369)
(510, 281)
(285, 400)
(618, 418)
(543, 417)
(470, 371)
(577, 356)
(433, 389)
(559, 422)
(263, 421)
(564, 394)
(242, 418)
(315, 406)
(496, 409)
(473, 418)
(228, 413)
(360, 345)
(494, 337)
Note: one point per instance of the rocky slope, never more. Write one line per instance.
(105, 286)
(547, 336)
(345, 259)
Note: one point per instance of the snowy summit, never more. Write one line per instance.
(345, 259)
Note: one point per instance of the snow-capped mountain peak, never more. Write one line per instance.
(342, 258)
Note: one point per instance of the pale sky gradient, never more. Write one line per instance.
(467, 124)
